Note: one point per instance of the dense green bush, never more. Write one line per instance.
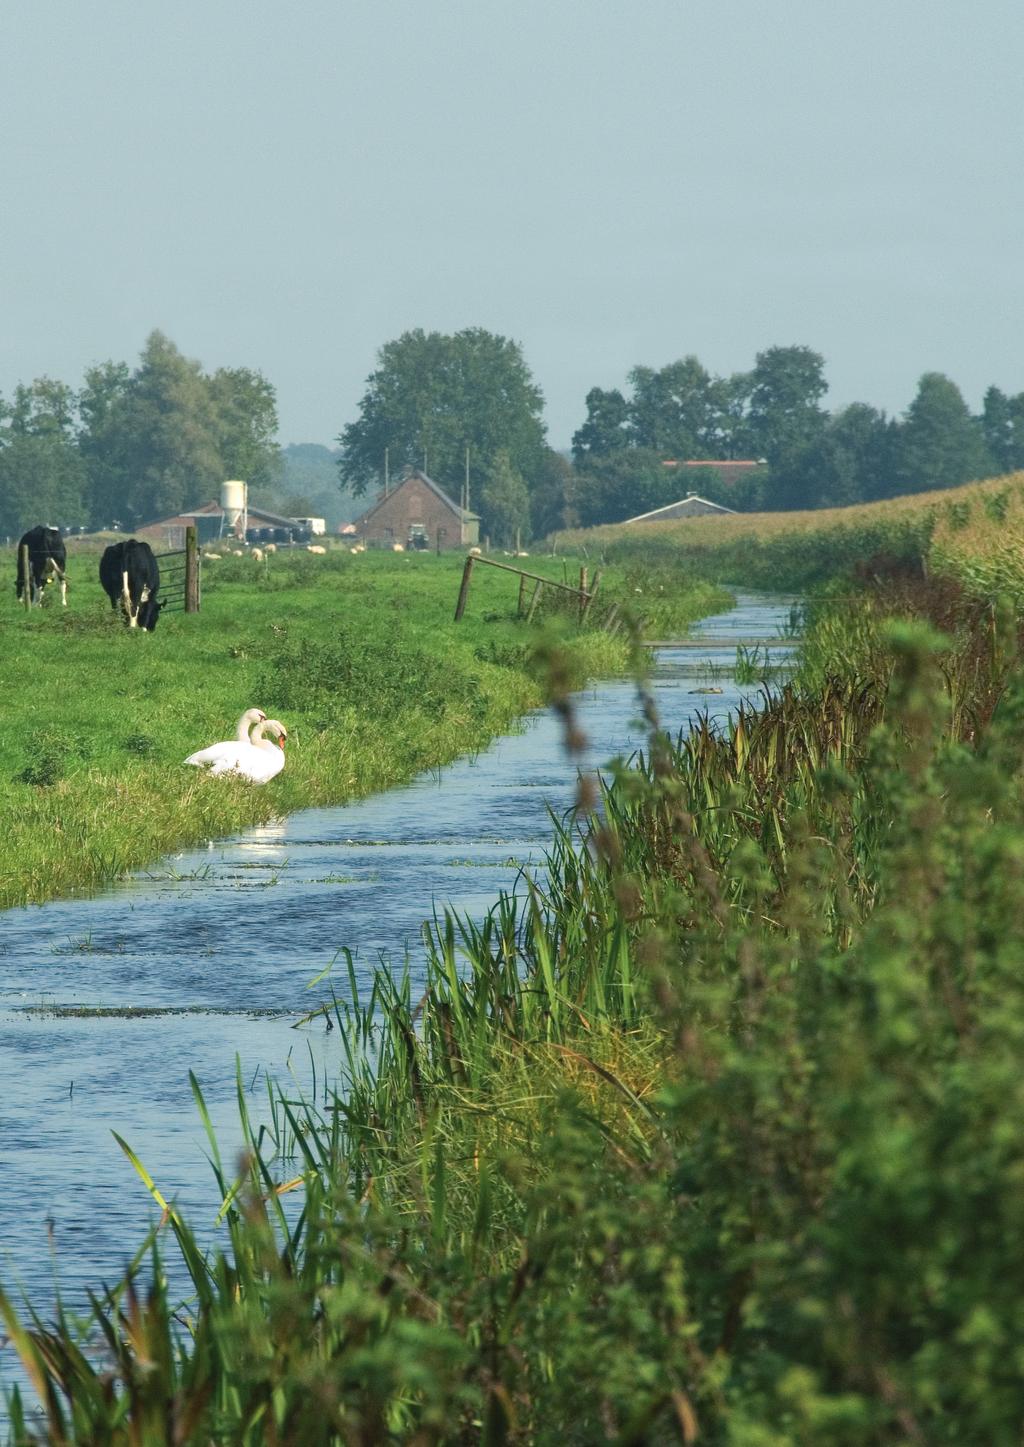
(52, 753)
(356, 669)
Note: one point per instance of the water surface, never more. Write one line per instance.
(222, 943)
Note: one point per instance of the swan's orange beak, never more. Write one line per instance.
(280, 743)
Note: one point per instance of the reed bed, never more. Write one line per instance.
(708, 1133)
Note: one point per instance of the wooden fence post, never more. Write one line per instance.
(191, 569)
(590, 597)
(467, 573)
(583, 593)
(522, 595)
(538, 589)
(23, 561)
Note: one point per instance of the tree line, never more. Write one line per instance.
(434, 398)
(133, 444)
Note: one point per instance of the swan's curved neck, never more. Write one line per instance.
(245, 725)
(258, 741)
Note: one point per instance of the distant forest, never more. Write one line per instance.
(132, 444)
(433, 395)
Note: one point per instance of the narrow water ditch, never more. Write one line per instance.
(106, 1003)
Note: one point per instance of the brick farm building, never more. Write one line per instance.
(418, 514)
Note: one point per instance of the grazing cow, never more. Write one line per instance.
(47, 558)
(130, 576)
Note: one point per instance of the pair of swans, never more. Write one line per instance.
(249, 755)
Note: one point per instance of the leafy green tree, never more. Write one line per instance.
(851, 461)
(169, 436)
(504, 502)
(553, 501)
(745, 493)
(606, 428)
(939, 443)
(245, 404)
(725, 433)
(164, 436)
(432, 396)
(624, 484)
(42, 476)
(101, 403)
(784, 415)
(1002, 426)
(679, 411)
(675, 411)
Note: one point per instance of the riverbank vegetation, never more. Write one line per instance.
(973, 533)
(358, 655)
(710, 1135)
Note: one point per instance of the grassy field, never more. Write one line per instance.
(712, 1136)
(357, 655)
(975, 533)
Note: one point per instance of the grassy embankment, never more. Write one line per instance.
(358, 655)
(974, 533)
(712, 1137)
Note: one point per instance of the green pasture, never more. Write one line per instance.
(710, 1135)
(357, 654)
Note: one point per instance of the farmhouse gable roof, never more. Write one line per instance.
(463, 514)
(689, 506)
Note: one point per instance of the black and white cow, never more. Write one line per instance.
(130, 576)
(47, 559)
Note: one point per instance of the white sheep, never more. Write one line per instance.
(315, 548)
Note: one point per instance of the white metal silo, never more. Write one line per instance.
(234, 499)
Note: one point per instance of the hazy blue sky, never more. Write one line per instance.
(289, 186)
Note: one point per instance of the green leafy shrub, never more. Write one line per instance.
(382, 677)
(142, 745)
(53, 753)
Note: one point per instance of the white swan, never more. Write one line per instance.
(255, 758)
(229, 748)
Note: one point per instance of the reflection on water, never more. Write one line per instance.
(219, 945)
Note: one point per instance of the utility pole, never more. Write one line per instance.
(466, 503)
(387, 473)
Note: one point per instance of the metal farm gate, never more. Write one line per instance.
(181, 569)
